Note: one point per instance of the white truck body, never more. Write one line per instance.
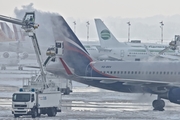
(49, 99)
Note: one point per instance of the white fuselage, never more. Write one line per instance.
(126, 53)
(157, 71)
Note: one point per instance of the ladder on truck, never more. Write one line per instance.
(29, 25)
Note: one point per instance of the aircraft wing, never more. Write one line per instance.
(155, 87)
(109, 57)
(108, 80)
(160, 55)
(100, 49)
(171, 57)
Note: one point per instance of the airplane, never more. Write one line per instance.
(13, 46)
(159, 78)
(126, 50)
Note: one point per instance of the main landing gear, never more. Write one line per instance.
(158, 104)
(3, 67)
(20, 68)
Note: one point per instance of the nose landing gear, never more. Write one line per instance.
(158, 104)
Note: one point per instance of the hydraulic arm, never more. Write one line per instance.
(28, 24)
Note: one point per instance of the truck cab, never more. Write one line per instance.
(24, 103)
(34, 102)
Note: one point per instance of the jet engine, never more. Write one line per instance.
(9, 54)
(5, 55)
(23, 55)
(173, 95)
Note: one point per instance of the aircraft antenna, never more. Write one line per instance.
(87, 25)
(129, 24)
(161, 26)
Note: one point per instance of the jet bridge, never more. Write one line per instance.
(29, 25)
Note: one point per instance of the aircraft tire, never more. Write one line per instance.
(158, 105)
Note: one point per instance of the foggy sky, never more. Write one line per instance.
(98, 8)
(143, 15)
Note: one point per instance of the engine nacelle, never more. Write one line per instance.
(174, 95)
(23, 55)
(9, 54)
(5, 55)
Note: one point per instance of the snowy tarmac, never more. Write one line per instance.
(89, 103)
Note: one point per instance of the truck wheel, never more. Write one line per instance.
(16, 116)
(20, 68)
(34, 113)
(52, 112)
(3, 67)
(39, 115)
(67, 91)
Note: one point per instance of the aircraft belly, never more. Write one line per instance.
(114, 86)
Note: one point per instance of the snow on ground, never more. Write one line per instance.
(89, 103)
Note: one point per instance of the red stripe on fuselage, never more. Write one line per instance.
(66, 67)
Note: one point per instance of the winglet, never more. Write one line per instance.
(66, 67)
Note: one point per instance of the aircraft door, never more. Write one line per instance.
(88, 71)
(122, 53)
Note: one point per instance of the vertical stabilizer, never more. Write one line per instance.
(19, 35)
(75, 55)
(7, 30)
(106, 38)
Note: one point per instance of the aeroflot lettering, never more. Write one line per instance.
(156, 46)
(106, 66)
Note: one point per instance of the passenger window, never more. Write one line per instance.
(107, 71)
(142, 72)
(124, 72)
(164, 72)
(157, 72)
(114, 72)
(171, 73)
(132, 72)
(167, 73)
(160, 72)
(149, 72)
(128, 72)
(111, 72)
(175, 73)
(121, 72)
(179, 73)
(135, 72)
(117, 72)
(139, 72)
